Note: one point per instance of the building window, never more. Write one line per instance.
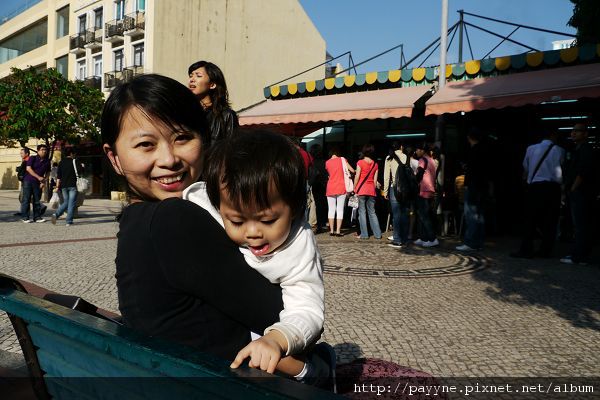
(98, 18)
(82, 23)
(140, 5)
(62, 65)
(98, 66)
(118, 64)
(29, 39)
(119, 9)
(62, 22)
(81, 70)
(138, 55)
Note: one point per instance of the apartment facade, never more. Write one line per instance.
(104, 42)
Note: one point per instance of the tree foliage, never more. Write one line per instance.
(45, 105)
(586, 19)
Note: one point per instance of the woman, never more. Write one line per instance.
(336, 190)
(364, 186)
(207, 83)
(179, 277)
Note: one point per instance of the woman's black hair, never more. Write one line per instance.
(368, 150)
(219, 96)
(250, 164)
(157, 96)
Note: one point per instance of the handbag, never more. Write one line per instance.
(82, 183)
(353, 201)
(54, 201)
(347, 177)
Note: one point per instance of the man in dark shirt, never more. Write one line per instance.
(580, 187)
(67, 183)
(476, 191)
(37, 168)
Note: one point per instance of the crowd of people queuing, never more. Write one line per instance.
(412, 187)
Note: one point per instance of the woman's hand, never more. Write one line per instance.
(264, 352)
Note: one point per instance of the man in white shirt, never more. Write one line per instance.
(543, 171)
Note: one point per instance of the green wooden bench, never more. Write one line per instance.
(72, 355)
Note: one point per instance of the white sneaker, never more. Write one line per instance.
(27, 221)
(391, 238)
(40, 220)
(432, 243)
(464, 247)
(418, 242)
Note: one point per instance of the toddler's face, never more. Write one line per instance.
(261, 231)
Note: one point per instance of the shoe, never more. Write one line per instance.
(395, 245)
(390, 238)
(43, 210)
(27, 221)
(339, 234)
(67, 225)
(464, 247)
(569, 260)
(40, 220)
(520, 254)
(53, 219)
(418, 242)
(432, 243)
(331, 234)
(323, 362)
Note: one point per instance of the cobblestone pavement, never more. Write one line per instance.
(449, 314)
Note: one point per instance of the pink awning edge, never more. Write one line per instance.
(517, 89)
(374, 104)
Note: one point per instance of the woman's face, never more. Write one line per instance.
(156, 161)
(199, 82)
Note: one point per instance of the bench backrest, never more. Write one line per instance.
(80, 356)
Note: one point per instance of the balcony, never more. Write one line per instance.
(113, 30)
(93, 39)
(93, 82)
(77, 43)
(135, 23)
(113, 78)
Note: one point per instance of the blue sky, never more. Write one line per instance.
(367, 28)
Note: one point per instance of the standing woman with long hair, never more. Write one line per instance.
(364, 186)
(207, 83)
(336, 190)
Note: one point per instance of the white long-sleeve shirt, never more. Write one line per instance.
(296, 266)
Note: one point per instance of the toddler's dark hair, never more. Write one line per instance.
(248, 164)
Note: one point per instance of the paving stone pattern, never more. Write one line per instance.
(449, 314)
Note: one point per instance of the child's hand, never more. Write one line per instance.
(264, 353)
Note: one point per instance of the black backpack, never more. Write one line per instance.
(405, 184)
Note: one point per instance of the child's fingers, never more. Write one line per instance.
(241, 356)
(272, 364)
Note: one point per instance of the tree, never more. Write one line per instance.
(586, 17)
(45, 105)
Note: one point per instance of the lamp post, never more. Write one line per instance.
(439, 126)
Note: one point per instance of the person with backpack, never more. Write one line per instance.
(393, 168)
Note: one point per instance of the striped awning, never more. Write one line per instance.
(375, 104)
(517, 90)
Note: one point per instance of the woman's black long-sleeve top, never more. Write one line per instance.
(180, 278)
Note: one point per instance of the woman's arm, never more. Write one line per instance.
(357, 176)
(198, 258)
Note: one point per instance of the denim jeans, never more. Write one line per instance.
(582, 208)
(366, 205)
(29, 190)
(474, 219)
(424, 211)
(400, 214)
(69, 200)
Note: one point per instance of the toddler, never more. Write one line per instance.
(255, 188)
